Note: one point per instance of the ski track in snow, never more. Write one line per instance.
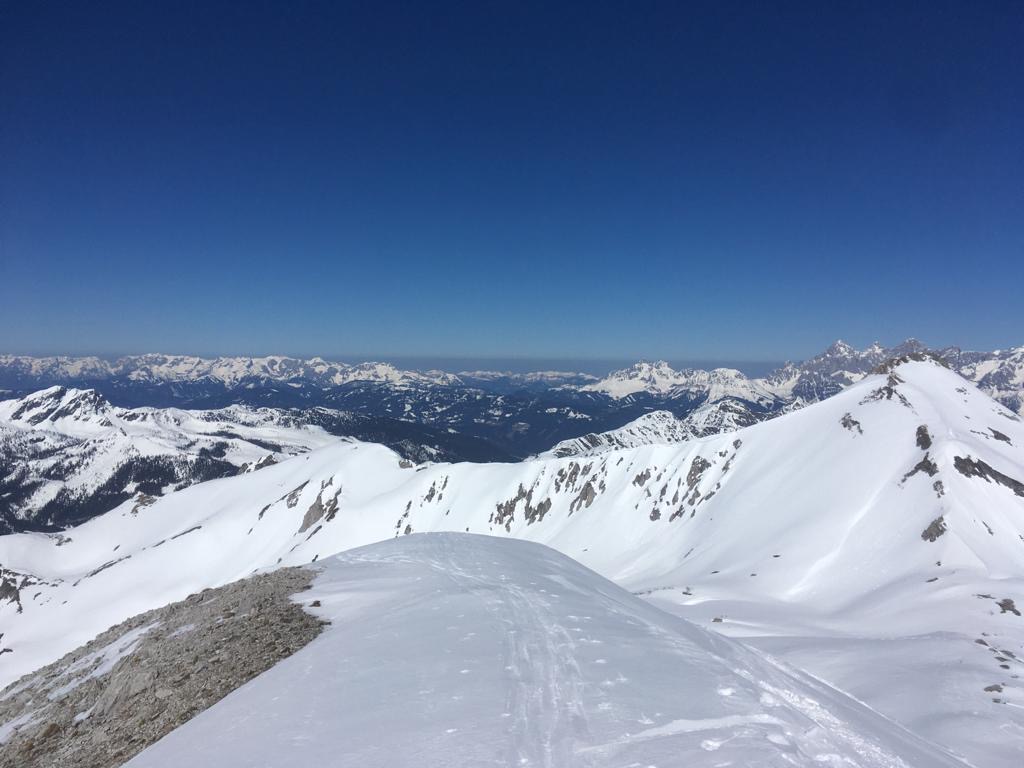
(544, 699)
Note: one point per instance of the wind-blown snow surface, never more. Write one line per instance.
(449, 650)
(892, 510)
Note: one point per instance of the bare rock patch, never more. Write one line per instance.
(105, 702)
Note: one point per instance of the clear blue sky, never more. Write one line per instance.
(597, 180)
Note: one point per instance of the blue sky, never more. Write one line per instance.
(596, 180)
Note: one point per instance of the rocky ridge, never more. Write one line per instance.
(136, 682)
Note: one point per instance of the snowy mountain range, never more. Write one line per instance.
(522, 414)
(999, 373)
(227, 370)
(55, 477)
(874, 538)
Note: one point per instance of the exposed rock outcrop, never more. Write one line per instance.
(105, 702)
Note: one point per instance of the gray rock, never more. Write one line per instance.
(171, 664)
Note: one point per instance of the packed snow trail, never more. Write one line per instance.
(462, 650)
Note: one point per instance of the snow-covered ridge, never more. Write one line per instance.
(661, 379)
(664, 428)
(503, 652)
(654, 428)
(67, 454)
(65, 451)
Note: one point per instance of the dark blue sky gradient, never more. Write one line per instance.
(596, 180)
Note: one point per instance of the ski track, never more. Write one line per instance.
(544, 699)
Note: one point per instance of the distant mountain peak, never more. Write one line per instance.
(839, 347)
(907, 347)
(57, 403)
(661, 380)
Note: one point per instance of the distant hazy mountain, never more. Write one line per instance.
(660, 379)
(228, 370)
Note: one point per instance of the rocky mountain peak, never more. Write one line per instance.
(839, 348)
(56, 403)
(908, 347)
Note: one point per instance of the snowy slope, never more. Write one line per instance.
(893, 509)
(449, 650)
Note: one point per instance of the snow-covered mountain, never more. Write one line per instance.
(884, 427)
(833, 370)
(68, 454)
(504, 415)
(999, 373)
(654, 428)
(729, 400)
(894, 509)
(663, 428)
(661, 379)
